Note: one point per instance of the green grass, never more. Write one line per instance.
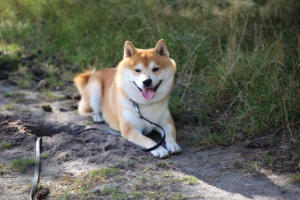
(167, 174)
(111, 190)
(22, 164)
(178, 197)
(50, 96)
(13, 95)
(45, 156)
(54, 81)
(238, 63)
(190, 180)
(253, 166)
(238, 165)
(269, 161)
(295, 178)
(104, 172)
(1, 168)
(26, 80)
(116, 194)
(5, 144)
(10, 107)
(17, 97)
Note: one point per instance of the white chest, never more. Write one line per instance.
(156, 113)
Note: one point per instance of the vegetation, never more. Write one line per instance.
(103, 172)
(295, 178)
(4, 144)
(1, 169)
(22, 164)
(13, 95)
(238, 61)
(191, 180)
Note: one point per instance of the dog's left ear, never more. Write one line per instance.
(161, 48)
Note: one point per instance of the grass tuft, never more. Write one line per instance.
(105, 172)
(190, 180)
(178, 197)
(22, 164)
(5, 144)
(295, 178)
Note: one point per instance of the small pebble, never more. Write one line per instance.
(63, 110)
(74, 107)
(47, 108)
(76, 97)
(68, 96)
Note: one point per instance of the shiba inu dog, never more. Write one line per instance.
(144, 76)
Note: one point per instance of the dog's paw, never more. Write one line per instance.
(173, 148)
(160, 152)
(97, 117)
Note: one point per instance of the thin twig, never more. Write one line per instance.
(287, 121)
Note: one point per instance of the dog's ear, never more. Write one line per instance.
(129, 49)
(161, 48)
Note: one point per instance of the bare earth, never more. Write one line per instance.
(68, 161)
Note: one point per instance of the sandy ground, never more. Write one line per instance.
(67, 163)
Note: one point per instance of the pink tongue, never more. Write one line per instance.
(148, 93)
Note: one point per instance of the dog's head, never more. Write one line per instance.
(146, 75)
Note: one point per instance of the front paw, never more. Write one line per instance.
(160, 152)
(173, 147)
(97, 117)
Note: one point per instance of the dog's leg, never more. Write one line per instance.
(171, 144)
(95, 101)
(135, 136)
(170, 131)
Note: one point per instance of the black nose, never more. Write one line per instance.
(147, 82)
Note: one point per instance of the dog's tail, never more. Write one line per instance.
(81, 81)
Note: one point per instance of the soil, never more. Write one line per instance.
(218, 173)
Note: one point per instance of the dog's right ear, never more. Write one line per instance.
(129, 49)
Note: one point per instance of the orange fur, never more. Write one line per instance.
(81, 80)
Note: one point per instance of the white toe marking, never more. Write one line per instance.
(173, 147)
(97, 117)
(160, 152)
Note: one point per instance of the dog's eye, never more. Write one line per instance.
(155, 69)
(137, 70)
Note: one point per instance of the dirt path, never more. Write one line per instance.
(95, 165)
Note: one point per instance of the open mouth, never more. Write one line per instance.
(149, 92)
